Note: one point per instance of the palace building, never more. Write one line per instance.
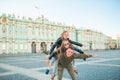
(21, 35)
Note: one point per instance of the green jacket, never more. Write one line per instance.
(64, 60)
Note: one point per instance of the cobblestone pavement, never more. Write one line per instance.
(32, 67)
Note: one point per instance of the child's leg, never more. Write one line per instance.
(54, 69)
(50, 65)
(51, 62)
(55, 66)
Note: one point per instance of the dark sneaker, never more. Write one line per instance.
(47, 71)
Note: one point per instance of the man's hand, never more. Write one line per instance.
(87, 54)
(94, 56)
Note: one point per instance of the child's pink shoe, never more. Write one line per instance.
(52, 76)
(76, 71)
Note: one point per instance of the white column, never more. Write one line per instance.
(0, 39)
(0, 47)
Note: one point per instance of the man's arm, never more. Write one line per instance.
(75, 43)
(82, 56)
(80, 51)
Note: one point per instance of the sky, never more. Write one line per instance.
(99, 15)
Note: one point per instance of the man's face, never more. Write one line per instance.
(65, 35)
(69, 52)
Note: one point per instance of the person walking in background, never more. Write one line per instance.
(43, 49)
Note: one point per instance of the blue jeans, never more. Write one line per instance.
(55, 62)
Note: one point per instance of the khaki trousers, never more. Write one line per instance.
(69, 69)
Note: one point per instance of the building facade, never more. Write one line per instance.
(93, 39)
(21, 35)
(118, 41)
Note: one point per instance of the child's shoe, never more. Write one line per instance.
(52, 76)
(47, 71)
(76, 71)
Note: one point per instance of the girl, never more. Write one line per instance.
(65, 35)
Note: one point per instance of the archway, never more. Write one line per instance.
(33, 46)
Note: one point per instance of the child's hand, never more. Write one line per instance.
(47, 62)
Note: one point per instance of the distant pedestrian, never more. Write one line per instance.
(43, 49)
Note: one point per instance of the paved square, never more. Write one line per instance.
(32, 67)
